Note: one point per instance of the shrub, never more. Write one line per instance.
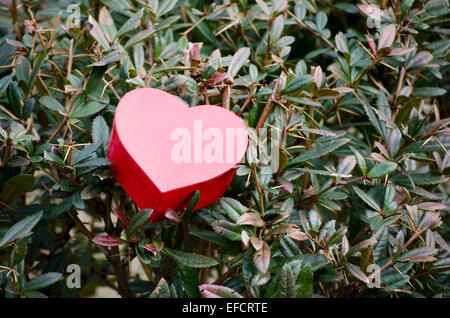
(352, 200)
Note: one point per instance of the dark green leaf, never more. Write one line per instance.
(319, 150)
(367, 198)
(138, 220)
(190, 259)
(304, 283)
(51, 103)
(382, 169)
(286, 283)
(190, 281)
(298, 82)
(16, 187)
(13, 94)
(42, 281)
(20, 229)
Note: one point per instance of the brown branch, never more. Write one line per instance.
(268, 107)
(187, 241)
(311, 30)
(230, 273)
(248, 100)
(332, 185)
(113, 257)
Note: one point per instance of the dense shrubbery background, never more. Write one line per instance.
(354, 94)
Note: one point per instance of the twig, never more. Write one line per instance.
(113, 257)
(268, 107)
(331, 186)
(224, 277)
(187, 241)
(260, 192)
(247, 101)
(311, 30)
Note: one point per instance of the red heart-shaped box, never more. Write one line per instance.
(162, 150)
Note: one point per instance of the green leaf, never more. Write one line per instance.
(106, 22)
(427, 178)
(366, 198)
(382, 243)
(407, 104)
(97, 33)
(192, 203)
(360, 160)
(319, 150)
(51, 103)
(13, 94)
(253, 71)
(50, 156)
(139, 37)
(370, 113)
(248, 268)
(324, 172)
(302, 100)
(298, 82)
(321, 20)
(88, 110)
(162, 290)
(337, 236)
(227, 229)
(21, 253)
(382, 169)
(190, 259)
(304, 283)
(393, 279)
(357, 272)
(165, 7)
(286, 283)
(138, 220)
(341, 43)
(237, 61)
(217, 291)
(147, 257)
(42, 281)
(16, 187)
(110, 58)
(421, 254)
(97, 162)
(132, 23)
(429, 91)
(213, 237)
(361, 245)
(394, 141)
(38, 61)
(289, 247)
(95, 82)
(190, 281)
(232, 208)
(28, 107)
(4, 82)
(100, 132)
(20, 229)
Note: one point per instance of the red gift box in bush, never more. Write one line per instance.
(162, 150)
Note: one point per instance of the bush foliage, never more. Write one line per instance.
(353, 202)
